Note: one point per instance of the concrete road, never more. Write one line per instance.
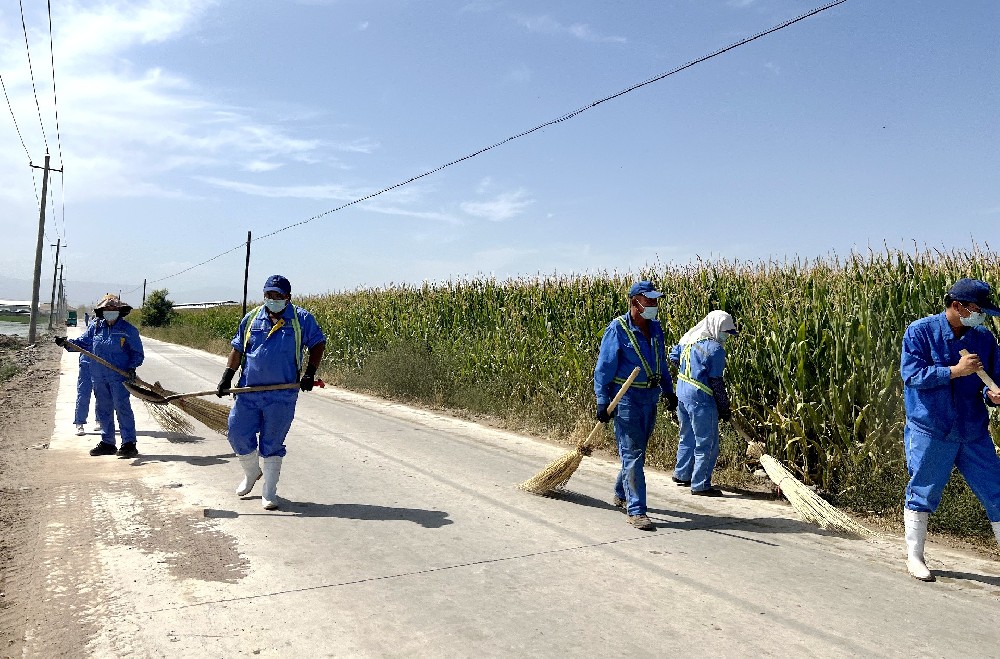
(401, 533)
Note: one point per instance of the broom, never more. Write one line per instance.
(987, 380)
(558, 472)
(168, 418)
(809, 505)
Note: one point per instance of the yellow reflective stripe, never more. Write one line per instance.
(296, 327)
(636, 385)
(684, 373)
(642, 360)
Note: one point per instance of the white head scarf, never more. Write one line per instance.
(710, 327)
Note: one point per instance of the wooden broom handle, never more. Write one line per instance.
(75, 348)
(983, 375)
(611, 407)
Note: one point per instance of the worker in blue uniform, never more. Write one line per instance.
(84, 394)
(116, 341)
(269, 345)
(632, 340)
(701, 388)
(947, 421)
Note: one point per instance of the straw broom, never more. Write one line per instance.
(810, 506)
(558, 472)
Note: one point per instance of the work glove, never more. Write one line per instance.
(670, 401)
(602, 413)
(308, 378)
(226, 382)
(61, 341)
(131, 374)
(725, 414)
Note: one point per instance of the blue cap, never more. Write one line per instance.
(278, 284)
(645, 288)
(974, 290)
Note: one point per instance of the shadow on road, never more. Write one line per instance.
(968, 576)
(194, 460)
(691, 521)
(429, 519)
(172, 437)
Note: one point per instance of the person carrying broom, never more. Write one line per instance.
(269, 345)
(947, 421)
(115, 340)
(632, 340)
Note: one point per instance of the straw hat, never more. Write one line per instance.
(112, 302)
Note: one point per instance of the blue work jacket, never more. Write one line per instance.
(269, 357)
(618, 357)
(936, 404)
(708, 360)
(118, 344)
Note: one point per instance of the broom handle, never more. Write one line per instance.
(239, 390)
(983, 375)
(611, 407)
(73, 347)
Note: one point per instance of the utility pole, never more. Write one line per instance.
(143, 292)
(62, 297)
(37, 282)
(246, 275)
(52, 302)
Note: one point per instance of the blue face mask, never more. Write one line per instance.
(111, 316)
(275, 306)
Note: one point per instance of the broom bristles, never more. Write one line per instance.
(809, 505)
(213, 415)
(555, 475)
(169, 419)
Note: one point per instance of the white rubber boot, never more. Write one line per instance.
(272, 471)
(916, 534)
(996, 531)
(251, 473)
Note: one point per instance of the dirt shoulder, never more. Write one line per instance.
(28, 401)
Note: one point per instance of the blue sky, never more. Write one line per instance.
(186, 123)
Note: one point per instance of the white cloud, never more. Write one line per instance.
(503, 207)
(123, 127)
(740, 4)
(363, 26)
(548, 25)
(520, 74)
(329, 191)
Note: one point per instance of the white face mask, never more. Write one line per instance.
(649, 313)
(111, 316)
(275, 306)
(974, 319)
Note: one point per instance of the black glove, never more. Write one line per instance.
(725, 414)
(602, 413)
(670, 401)
(131, 374)
(61, 341)
(308, 378)
(226, 382)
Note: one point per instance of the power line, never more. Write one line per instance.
(557, 120)
(55, 100)
(31, 70)
(16, 127)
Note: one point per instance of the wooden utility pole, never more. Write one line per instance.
(55, 270)
(62, 297)
(37, 282)
(143, 292)
(246, 275)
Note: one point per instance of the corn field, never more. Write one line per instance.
(814, 372)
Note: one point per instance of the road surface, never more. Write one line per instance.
(401, 533)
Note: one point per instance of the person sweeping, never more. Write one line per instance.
(947, 421)
(269, 345)
(115, 340)
(632, 340)
(701, 361)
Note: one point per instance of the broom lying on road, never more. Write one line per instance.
(558, 472)
(168, 418)
(809, 505)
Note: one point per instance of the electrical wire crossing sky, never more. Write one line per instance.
(365, 144)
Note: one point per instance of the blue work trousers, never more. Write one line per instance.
(929, 461)
(84, 392)
(113, 401)
(634, 424)
(698, 444)
(260, 422)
